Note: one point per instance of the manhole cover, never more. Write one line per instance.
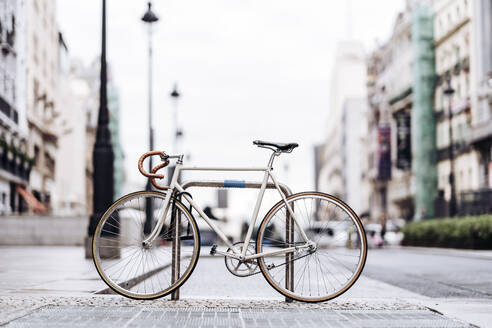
(87, 316)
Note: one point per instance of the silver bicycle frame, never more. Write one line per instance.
(237, 253)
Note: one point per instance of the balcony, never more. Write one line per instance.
(7, 98)
(475, 202)
(458, 149)
(15, 162)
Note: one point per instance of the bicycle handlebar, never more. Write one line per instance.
(154, 170)
(152, 175)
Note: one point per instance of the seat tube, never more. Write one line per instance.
(289, 209)
(256, 211)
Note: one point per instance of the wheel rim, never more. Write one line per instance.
(332, 266)
(139, 271)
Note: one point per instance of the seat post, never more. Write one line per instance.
(274, 154)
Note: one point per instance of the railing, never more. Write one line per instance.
(15, 165)
(475, 202)
(458, 148)
(9, 111)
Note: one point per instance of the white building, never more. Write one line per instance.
(347, 82)
(73, 95)
(42, 42)
(391, 100)
(453, 51)
(14, 160)
(481, 89)
(354, 153)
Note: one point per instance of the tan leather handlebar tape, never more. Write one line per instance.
(142, 159)
(154, 170)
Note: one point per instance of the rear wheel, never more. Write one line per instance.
(145, 271)
(321, 272)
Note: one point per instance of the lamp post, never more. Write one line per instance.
(149, 18)
(102, 156)
(449, 91)
(177, 131)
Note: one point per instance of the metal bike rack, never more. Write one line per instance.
(289, 233)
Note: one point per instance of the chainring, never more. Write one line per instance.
(242, 268)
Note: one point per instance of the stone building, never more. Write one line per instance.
(390, 82)
(347, 89)
(91, 76)
(453, 47)
(401, 140)
(79, 92)
(42, 48)
(15, 161)
(481, 101)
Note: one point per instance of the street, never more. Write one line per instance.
(434, 272)
(55, 283)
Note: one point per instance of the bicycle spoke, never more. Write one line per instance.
(132, 268)
(330, 265)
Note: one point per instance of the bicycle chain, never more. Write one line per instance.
(300, 257)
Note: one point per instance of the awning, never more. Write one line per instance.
(31, 201)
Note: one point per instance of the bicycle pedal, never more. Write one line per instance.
(213, 250)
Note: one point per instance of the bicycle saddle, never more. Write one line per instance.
(283, 147)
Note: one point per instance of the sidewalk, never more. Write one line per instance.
(57, 281)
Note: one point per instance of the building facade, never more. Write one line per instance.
(42, 48)
(72, 95)
(402, 157)
(15, 162)
(78, 92)
(453, 47)
(347, 84)
(91, 76)
(430, 87)
(390, 97)
(481, 100)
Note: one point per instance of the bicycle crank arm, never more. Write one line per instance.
(228, 254)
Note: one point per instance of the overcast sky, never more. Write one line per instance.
(247, 69)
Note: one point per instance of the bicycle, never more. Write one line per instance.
(310, 246)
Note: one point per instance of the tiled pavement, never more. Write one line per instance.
(53, 287)
(90, 316)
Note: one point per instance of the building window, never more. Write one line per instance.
(35, 48)
(35, 89)
(50, 165)
(36, 154)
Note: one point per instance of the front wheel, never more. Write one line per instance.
(333, 262)
(141, 271)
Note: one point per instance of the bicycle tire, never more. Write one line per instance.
(120, 230)
(330, 258)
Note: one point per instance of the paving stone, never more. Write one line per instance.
(138, 316)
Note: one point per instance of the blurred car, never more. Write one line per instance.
(393, 235)
(373, 234)
(329, 233)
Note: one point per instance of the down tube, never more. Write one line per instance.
(212, 225)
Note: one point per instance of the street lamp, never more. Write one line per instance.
(177, 131)
(149, 18)
(449, 91)
(102, 157)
